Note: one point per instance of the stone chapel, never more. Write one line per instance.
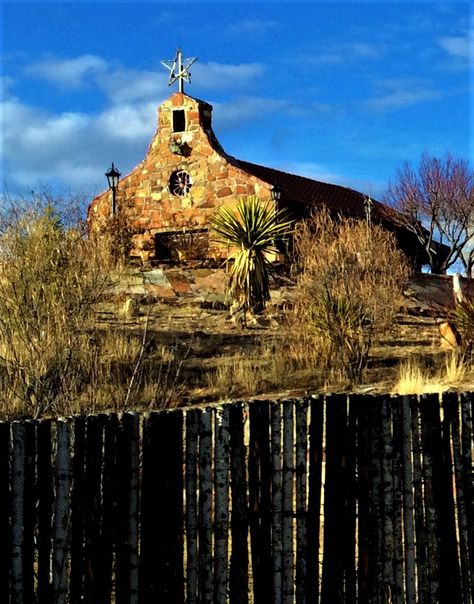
(169, 198)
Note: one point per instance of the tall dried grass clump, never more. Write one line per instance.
(456, 368)
(414, 377)
(241, 375)
(350, 279)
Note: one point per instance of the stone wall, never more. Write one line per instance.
(144, 195)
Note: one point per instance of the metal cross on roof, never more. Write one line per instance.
(179, 69)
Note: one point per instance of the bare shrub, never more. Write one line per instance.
(349, 287)
(116, 235)
(50, 279)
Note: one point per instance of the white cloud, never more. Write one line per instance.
(128, 85)
(128, 122)
(312, 170)
(122, 85)
(398, 93)
(72, 147)
(226, 76)
(68, 73)
(6, 84)
(458, 47)
(244, 109)
(347, 52)
(119, 84)
(323, 173)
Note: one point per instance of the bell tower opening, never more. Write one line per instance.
(179, 120)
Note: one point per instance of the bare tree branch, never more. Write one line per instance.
(436, 202)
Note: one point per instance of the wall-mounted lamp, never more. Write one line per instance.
(276, 193)
(113, 176)
(368, 204)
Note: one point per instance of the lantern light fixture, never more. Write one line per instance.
(113, 176)
(368, 205)
(276, 193)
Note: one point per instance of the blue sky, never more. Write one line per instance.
(339, 91)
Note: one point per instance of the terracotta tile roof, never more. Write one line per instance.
(306, 192)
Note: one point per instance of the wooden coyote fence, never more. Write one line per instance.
(336, 499)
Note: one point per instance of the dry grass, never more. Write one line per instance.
(278, 363)
(65, 347)
(238, 376)
(456, 369)
(133, 371)
(178, 354)
(414, 377)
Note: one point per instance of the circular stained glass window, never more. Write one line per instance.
(180, 183)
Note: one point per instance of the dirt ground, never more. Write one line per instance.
(221, 360)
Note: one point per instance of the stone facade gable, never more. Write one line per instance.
(170, 197)
(146, 194)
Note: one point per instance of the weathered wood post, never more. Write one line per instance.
(17, 488)
(221, 515)
(5, 531)
(408, 503)
(239, 576)
(287, 504)
(62, 514)
(205, 527)
(301, 410)
(191, 453)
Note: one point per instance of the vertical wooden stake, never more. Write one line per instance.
(192, 569)
(301, 409)
(61, 512)
(18, 484)
(408, 503)
(239, 575)
(205, 507)
(275, 411)
(287, 504)
(221, 515)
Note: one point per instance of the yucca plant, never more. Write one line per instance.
(252, 228)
